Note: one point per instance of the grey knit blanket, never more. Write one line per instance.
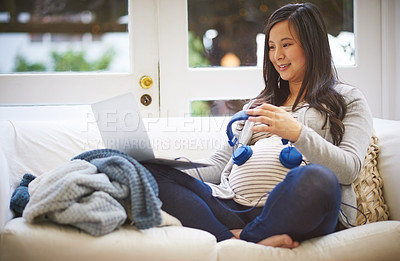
(90, 193)
(118, 166)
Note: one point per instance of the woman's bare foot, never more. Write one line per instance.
(283, 241)
(236, 233)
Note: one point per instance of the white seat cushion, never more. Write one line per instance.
(376, 241)
(48, 241)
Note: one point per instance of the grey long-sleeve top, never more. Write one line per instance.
(315, 143)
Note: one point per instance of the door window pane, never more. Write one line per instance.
(201, 108)
(230, 32)
(64, 35)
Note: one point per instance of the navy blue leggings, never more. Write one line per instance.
(304, 205)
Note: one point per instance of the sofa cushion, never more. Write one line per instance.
(48, 241)
(371, 242)
(39, 146)
(389, 143)
(368, 187)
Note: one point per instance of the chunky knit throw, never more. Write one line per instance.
(76, 194)
(144, 202)
(94, 192)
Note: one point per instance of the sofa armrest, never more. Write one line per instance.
(5, 213)
(389, 143)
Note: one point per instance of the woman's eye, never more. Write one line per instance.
(272, 47)
(286, 45)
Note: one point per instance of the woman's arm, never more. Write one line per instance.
(314, 143)
(346, 159)
(218, 160)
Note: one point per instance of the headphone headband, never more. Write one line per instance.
(241, 115)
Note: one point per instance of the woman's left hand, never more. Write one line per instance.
(275, 120)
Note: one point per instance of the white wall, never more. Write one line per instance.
(397, 59)
(390, 59)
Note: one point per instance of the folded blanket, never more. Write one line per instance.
(144, 202)
(76, 194)
(95, 192)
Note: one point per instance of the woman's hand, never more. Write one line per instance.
(276, 121)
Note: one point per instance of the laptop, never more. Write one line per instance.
(121, 127)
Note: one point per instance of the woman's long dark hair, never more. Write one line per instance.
(320, 78)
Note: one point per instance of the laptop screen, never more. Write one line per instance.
(121, 126)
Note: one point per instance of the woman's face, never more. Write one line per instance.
(287, 54)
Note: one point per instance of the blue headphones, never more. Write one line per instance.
(290, 157)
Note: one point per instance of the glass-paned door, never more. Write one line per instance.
(64, 36)
(211, 51)
(67, 51)
(231, 33)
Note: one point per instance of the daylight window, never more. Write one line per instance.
(64, 36)
(230, 33)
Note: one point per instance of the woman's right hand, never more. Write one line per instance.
(275, 120)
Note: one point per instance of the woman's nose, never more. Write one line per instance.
(278, 54)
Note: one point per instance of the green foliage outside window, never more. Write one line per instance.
(66, 62)
(196, 52)
(200, 108)
(23, 66)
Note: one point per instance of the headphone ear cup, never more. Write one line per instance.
(290, 157)
(242, 154)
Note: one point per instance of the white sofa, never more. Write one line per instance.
(40, 138)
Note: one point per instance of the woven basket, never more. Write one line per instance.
(368, 187)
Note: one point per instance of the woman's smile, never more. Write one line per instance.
(283, 67)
